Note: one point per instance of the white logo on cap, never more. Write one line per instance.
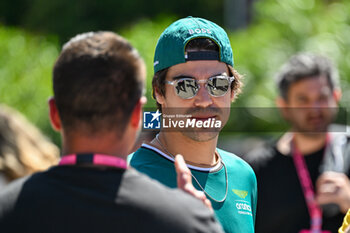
(155, 63)
(199, 30)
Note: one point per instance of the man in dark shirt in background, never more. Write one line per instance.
(302, 178)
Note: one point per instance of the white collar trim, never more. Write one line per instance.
(203, 169)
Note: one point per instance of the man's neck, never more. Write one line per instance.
(194, 152)
(306, 143)
(309, 143)
(103, 144)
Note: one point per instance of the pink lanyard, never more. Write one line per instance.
(315, 211)
(95, 159)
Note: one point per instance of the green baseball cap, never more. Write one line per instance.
(170, 49)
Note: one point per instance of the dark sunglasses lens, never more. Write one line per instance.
(218, 86)
(186, 88)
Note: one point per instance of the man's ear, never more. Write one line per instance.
(233, 95)
(54, 116)
(337, 94)
(282, 106)
(136, 114)
(159, 96)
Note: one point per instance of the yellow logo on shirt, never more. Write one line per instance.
(240, 193)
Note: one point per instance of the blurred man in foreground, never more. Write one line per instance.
(303, 178)
(98, 82)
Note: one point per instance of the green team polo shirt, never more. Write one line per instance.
(237, 213)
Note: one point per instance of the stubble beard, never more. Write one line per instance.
(199, 136)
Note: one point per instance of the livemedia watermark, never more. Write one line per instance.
(247, 120)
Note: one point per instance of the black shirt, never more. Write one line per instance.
(281, 203)
(89, 199)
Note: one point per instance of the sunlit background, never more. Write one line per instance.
(263, 34)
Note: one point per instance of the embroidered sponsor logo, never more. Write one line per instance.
(199, 30)
(240, 193)
(243, 207)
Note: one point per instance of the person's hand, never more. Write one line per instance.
(347, 230)
(184, 181)
(333, 187)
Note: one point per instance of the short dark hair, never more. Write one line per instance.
(302, 66)
(200, 44)
(97, 81)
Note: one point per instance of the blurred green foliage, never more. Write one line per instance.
(144, 36)
(67, 18)
(26, 62)
(280, 29)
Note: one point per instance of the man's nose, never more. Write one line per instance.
(203, 98)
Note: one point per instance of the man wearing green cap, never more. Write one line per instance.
(194, 84)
